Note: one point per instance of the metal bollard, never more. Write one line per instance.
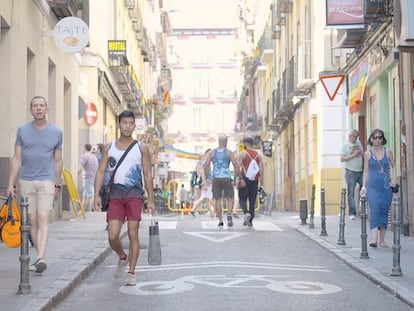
(364, 235)
(341, 238)
(396, 247)
(312, 209)
(323, 214)
(303, 210)
(24, 286)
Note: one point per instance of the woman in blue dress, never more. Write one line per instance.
(379, 176)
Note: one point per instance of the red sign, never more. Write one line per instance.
(91, 113)
(341, 13)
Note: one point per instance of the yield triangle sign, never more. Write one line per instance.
(331, 84)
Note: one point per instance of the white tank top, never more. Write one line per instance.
(129, 173)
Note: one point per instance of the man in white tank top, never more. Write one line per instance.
(127, 193)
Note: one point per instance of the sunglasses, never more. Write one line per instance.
(377, 137)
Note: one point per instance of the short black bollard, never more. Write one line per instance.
(24, 286)
(312, 209)
(396, 247)
(323, 214)
(364, 235)
(303, 210)
(341, 238)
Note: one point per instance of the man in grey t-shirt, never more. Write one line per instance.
(352, 155)
(37, 167)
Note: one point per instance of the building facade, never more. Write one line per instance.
(306, 116)
(119, 68)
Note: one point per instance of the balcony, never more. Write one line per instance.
(261, 71)
(285, 6)
(145, 48)
(276, 31)
(63, 8)
(265, 46)
(278, 18)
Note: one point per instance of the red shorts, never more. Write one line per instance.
(121, 209)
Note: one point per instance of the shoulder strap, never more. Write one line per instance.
(122, 159)
(10, 207)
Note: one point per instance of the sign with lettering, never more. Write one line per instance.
(71, 34)
(267, 147)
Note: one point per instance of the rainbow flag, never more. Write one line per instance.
(181, 153)
(166, 98)
(256, 57)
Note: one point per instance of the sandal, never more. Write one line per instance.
(373, 244)
(383, 244)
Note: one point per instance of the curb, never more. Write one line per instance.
(56, 292)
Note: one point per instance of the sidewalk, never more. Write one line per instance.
(77, 246)
(379, 266)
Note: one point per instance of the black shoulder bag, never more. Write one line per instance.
(106, 190)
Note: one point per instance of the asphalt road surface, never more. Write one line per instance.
(268, 267)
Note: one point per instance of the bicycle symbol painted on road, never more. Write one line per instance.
(270, 282)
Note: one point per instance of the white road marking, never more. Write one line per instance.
(260, 225)
(167, 225)
(217, 237)
(277, 283)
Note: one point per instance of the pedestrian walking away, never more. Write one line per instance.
(182, 196)
(35, 173)
(352, 156)
(127, 193)
(379, 176)
(206, 192)
(222, 186)
(88, 166)
(251, 167)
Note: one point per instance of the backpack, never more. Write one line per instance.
(10, 222)
(253, 170)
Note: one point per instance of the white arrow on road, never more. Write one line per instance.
(217, 237)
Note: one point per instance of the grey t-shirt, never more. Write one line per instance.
(38, 146)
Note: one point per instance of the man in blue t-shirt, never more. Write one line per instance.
(222, 186)
(37, 167)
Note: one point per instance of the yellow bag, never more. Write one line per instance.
(10, 222)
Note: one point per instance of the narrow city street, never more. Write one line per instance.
(268, 267)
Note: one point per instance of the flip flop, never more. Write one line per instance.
(383, 244)
(373, 244)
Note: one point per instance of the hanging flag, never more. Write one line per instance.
(256, 57)
(181, 153)
(166, 98)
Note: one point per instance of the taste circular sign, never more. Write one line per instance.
(71, 34)
(91, 113)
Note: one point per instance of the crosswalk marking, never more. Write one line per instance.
(167, 225)
(258, 225)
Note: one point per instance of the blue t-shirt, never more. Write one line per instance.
(38, 146)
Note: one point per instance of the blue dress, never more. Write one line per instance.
(379, 193)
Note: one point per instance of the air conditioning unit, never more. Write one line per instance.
(404, 23)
